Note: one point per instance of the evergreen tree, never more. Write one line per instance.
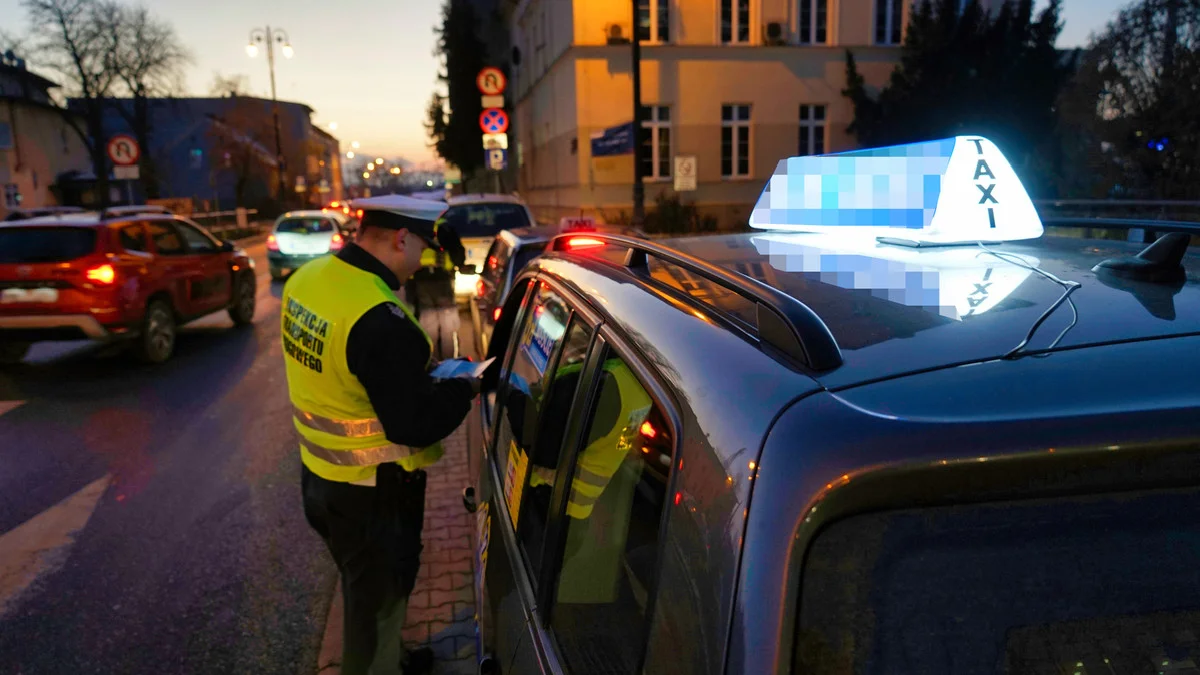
(453, 120)
(968, 72)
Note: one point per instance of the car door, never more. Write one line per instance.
(173, 265)
(213, 279)
(524, 436)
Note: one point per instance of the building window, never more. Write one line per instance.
(654, 20)
(735, 21)
(6, 136)
(12, 195)
(812, 130)
(197, 157)
(888, 21)
(814, 20)
(735, 141)
(656, 157)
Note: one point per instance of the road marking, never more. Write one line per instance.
(40, 545)
(9, 406)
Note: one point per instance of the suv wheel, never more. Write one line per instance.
(12, 353)
(244, 299)
(157, 340)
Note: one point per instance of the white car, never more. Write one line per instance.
(301, 236)
(477, 219)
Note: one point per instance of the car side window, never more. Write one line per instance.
(197, 241)
(165, 237)
(544, 455)
(614, 509)
(132, 237)
(522, 394)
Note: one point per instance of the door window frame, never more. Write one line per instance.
(181, 224)
(168, 223)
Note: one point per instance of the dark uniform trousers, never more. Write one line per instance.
(374, 535)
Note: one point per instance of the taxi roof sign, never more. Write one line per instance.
(576, 224)
(958, 190)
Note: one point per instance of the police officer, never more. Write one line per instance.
(430, 291)
(370, 420)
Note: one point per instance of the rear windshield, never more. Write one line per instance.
(1089, 585)
(45, 244)
(485, 220)
(305, 225)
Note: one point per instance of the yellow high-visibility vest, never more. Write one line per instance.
(341, 436)
(599, 461)
(436, 259)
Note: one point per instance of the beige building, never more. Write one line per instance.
(37, 143)
(737, 84)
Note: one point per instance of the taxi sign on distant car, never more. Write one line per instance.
(958, 190)
(577, 224)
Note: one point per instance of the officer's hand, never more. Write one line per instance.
(476, 385)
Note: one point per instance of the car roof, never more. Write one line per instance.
(308, 213)
(88, 219)
(540, 234)
(483, 198)
(910, 328)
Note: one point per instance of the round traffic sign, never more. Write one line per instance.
(123, 150)
(493, 121)
(491, 81)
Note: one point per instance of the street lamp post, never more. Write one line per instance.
(267, 36)
(639, 188)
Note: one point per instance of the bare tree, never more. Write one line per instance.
(149, 60)
(233, 85)
(240, 136)
(75, 39)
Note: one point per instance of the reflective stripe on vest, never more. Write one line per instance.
(360, 456)
(341, 437)
(343, 428)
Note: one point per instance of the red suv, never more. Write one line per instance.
(118, 275)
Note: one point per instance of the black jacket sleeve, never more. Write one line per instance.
(388, 355)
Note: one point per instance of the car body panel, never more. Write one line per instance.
(889, 444)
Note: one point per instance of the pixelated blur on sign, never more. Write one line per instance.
(943, 192)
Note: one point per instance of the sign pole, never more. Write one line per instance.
(639, 188)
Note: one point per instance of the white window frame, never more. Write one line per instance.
(655, 5)
(12, 196)
(813, 125)
(890, 29)
(656, 127)
(736, 124)
(811, 38)
(733, 22)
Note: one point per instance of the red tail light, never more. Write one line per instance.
(104, 275)
(648, 430)
(272, 243)
(337, 242)
(496, 314)
(582, 242)
(480, 288)
(346, 210)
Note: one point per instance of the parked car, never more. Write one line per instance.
(796, 451)
(300, 236)
(510, 252)
(477, 219)
(106, 277)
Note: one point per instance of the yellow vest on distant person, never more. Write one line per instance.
(435, 259)
(341, 437)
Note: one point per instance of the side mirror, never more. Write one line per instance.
(227, 246)
(468, 269)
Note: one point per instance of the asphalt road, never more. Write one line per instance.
(150, 516)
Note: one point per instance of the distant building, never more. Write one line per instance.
(735, 84)
(37, 141)
(220, 152)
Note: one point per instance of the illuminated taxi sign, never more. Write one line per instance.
(577, 224)
(951, 191)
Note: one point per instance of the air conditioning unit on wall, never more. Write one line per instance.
(775, 33)
(616, 34)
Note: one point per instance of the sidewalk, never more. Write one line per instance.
(442, 607)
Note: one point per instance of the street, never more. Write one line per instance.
(150, 516)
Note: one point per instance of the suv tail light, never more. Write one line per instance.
(495, 314)
(337, 242)
(104, 275)
(480, 288)
(272, 243)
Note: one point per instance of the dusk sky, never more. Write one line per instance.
(366, 64)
